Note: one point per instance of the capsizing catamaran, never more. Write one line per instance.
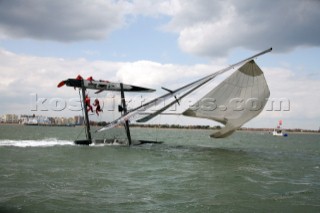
(246, 85)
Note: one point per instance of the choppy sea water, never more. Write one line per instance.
(41, 170)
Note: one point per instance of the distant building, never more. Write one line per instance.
(28, 119)
(41, 120)
(59, 121)
(10, 118)
(51, 120)
(78, 120)
(34, 120)
(71, 121)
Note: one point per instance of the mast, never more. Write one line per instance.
(86, 117)
(124, 108)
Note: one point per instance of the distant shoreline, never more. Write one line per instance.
(17, 124)
(239, 130)
(196, 127)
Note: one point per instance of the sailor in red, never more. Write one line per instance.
(79, 77)
(90, 79)
(87, 101)
(97, 105)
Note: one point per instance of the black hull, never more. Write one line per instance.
(115, 142)
(83, 142)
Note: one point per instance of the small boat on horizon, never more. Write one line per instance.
(278, 131)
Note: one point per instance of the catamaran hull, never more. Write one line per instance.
(114, 142)
(82, 142)
(103, 85)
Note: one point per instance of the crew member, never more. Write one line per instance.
(97, 105)
(87, 101)
(79, 78)
(90, 79)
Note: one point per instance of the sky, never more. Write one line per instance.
(158, 43)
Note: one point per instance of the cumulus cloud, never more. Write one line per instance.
(59, 20)
(151, 73)
(23, 75)
(299, 91)
(205, 27)
(211, 28)
(293, 99)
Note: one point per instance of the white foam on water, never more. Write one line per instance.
(48, 142)
(106, 144)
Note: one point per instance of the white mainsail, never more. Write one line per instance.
(135, 114)
(235, 101)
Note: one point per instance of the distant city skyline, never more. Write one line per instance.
(34, 119)
(159, 43)
(40, 120)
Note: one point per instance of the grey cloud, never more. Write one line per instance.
(213, 28)
(60, 20)
(205, 27)
(194, 12)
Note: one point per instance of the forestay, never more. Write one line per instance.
(235, 101)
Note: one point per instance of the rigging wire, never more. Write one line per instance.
(111, 133)
(113, 109)
(158, 129)
(100, 119)
(80, 133)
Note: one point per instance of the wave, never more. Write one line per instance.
(48, 142)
